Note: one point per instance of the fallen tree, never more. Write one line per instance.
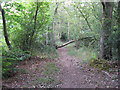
(69, 42)
(66, 44)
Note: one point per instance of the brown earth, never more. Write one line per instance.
(72, 74)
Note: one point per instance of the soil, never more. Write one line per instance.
(75, 75)
(72, 74)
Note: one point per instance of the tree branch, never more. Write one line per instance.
(85, 18)
(56, 9)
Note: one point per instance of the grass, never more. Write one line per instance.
(49, 54)
(89, 56)
(84, 53)
(50, 68)
(45, 80)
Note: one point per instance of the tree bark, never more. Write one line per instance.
(4, 28)
(69, 42)
(56, 9)
(35, 20)
(65, 44)
(105, 43)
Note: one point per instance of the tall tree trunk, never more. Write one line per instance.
(105, 45)
(53, 35)
(59, 34)
(35, 20)
(4, 28)
(118, 44)
(68, 36)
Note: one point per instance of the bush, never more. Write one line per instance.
(45, 51)
(10, 59)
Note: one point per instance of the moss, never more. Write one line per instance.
(100, 64)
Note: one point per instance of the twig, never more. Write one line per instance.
(107, 74)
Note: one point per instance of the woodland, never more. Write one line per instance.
(58, 44)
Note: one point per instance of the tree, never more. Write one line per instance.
(105, 45)
(35, 19)
(27, 25)
(4, 28)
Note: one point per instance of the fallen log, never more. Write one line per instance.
(65, 44)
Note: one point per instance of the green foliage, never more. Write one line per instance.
(26, 33)
(63, 37)
(44, 51)
(22, 27)
(10, 59)
(29, 34)
(86, 54)
(89, 56)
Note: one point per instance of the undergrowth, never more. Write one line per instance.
(46, 52)
(84, 53)
(50, 69)
(89, 56)
(45, 80)
(10, 59)
(101, 64)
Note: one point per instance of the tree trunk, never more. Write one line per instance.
(65, 44)
(4, 28)
(72, 41)
(35, 21)
(53, 35)
(68, 36)
(105, 45)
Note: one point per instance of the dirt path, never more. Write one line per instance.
(37, 73)
(74, 75)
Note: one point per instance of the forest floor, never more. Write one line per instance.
(63, 72)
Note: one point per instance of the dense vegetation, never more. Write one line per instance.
(37, 28)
